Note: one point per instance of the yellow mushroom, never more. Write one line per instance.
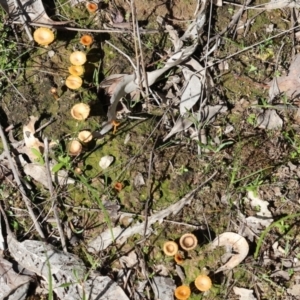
(170, 248)
(85, 136)
(73, 82)
(76, 70)
(188, 241)
(179, 259)
(203, 283)
(182, 292)
(74, 148)
(80, 111)
(43, 36)
(77, 58)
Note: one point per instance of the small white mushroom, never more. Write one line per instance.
(106, 161)
(237, 245)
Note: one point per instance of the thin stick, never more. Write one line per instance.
(149, 31)
(20, 186)
(129, 59)
(54, 203)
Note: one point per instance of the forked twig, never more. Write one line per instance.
(20, 186)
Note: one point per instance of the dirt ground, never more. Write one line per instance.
(248, 172)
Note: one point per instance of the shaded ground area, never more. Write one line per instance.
(256, 169)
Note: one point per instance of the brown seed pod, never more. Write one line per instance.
(170, 248)
(182, 292)
(188, 241)
(203, 283)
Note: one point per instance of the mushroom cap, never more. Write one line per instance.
(74, 148)
(43, 36)
(182, 292)
(76, 70)
(91, 7)
(78, 58)
(170, 248)
(80, 111)
(203, 283)
(73, 82)
(188, 241)
(86, 40)
(85, 136)
(178, 258)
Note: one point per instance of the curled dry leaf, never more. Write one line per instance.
(31, 142)
(66, 270)
(236, 244)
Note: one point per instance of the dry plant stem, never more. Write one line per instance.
(53, 197)
(90, 30)
(20, 186)
(138, 71)
(148, 189)
(129, 59)
(146, 85)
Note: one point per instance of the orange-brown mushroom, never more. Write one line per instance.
(118, 186)
(74, 148)
(92, 7)
(76, 70)
(43, 36)
(182, 292)
(73, 82)
(203, 283)
(80, 111)
(86, 40)
(188, 241)
(78, 58)
(170, 248)
(179, 259)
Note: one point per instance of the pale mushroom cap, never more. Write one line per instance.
(73, 82)
(76, 70)
(188, 241)
(86, 40)
(77, 58)
(43, 36)
(85, 136)
(74, 148)
(80, 111)
(182, 292)
(170, 248)
(203, 283)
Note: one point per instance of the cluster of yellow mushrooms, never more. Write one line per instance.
(80, 111)
(187, 242)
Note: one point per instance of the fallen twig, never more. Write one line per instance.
(20, 186)
(53, 197)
